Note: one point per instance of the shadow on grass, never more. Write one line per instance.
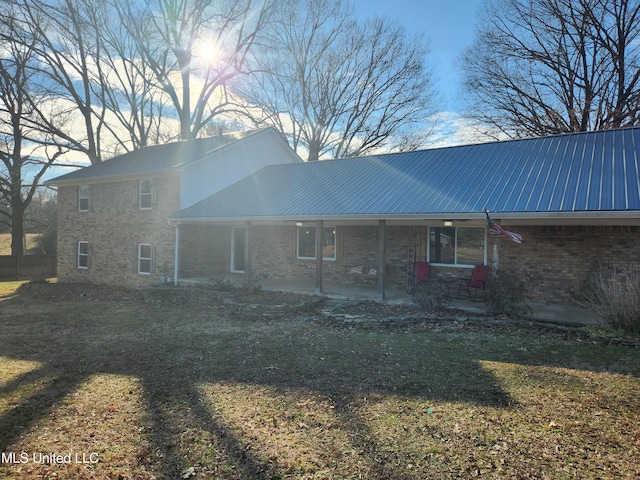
(46, 387)
(173, 352)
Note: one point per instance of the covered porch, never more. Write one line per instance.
(334, 257)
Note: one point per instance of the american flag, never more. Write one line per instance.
(497, 231)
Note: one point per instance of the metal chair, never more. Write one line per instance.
(420, 276)
(474, 286)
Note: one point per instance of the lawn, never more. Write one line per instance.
(102, 384)
(31, 239)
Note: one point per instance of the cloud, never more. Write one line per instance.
(452, 129)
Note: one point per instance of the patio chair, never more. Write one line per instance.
(474, 286)
(420, 276)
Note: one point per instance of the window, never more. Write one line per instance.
(144, 258)
(307, 243)
(457, 245)
(83, 198)
(83, 254)
(146, 194)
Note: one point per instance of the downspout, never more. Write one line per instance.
(176, 255)
(319, 255)
(382, 239)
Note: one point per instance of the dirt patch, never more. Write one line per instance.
(267, 297)
(45, 290)
(374, 309)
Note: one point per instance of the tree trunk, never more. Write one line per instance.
(18, 247)
(314, 151)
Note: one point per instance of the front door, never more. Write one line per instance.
(237, 249)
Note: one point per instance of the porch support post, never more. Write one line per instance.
(495, 259)
(176, 258)
(319, 244)
(382, 234)
(247, 249)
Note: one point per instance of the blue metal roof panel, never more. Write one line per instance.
(631, 171)
(619, 174)
(594, 171)
(565, 184)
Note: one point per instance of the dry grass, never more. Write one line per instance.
(5, 243)
(141, 391)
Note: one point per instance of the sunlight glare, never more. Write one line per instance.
(205, 51)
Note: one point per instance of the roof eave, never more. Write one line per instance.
(113, 178)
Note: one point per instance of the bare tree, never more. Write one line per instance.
(64, 44)
(540, 67)
(22, 163)
(135, 105)
(194, 48)
(127, 74)
(337, 87)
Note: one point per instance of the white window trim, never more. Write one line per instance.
(150, 258)
(455, 252)
(81, 197)
(83, 255)
(335, 241)
(232, 266)
(145, 194)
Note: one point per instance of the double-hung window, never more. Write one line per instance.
(457, 245)
(145, 258)
(146, 194)
(306, 243)
(83, 198)
(83, 254)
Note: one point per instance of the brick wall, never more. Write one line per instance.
(114, 226)
(561, 259)
(205, 251)
(274, 254)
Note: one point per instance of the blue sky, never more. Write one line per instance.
(449, 25)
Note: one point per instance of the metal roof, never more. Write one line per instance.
(153, 159)
(580, 172)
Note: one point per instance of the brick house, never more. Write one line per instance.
(574, 198)
(112, 217)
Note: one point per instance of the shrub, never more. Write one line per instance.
(506, 294)
(436, 301)
(219, 284)
(252, 283)
(616, 299)
(47, 241)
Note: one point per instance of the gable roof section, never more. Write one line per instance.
(155, 159)
(571, 173)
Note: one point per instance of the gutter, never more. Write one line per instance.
(508, 217)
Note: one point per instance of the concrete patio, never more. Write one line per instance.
(572, 314)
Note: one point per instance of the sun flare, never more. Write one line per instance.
(206, 51)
